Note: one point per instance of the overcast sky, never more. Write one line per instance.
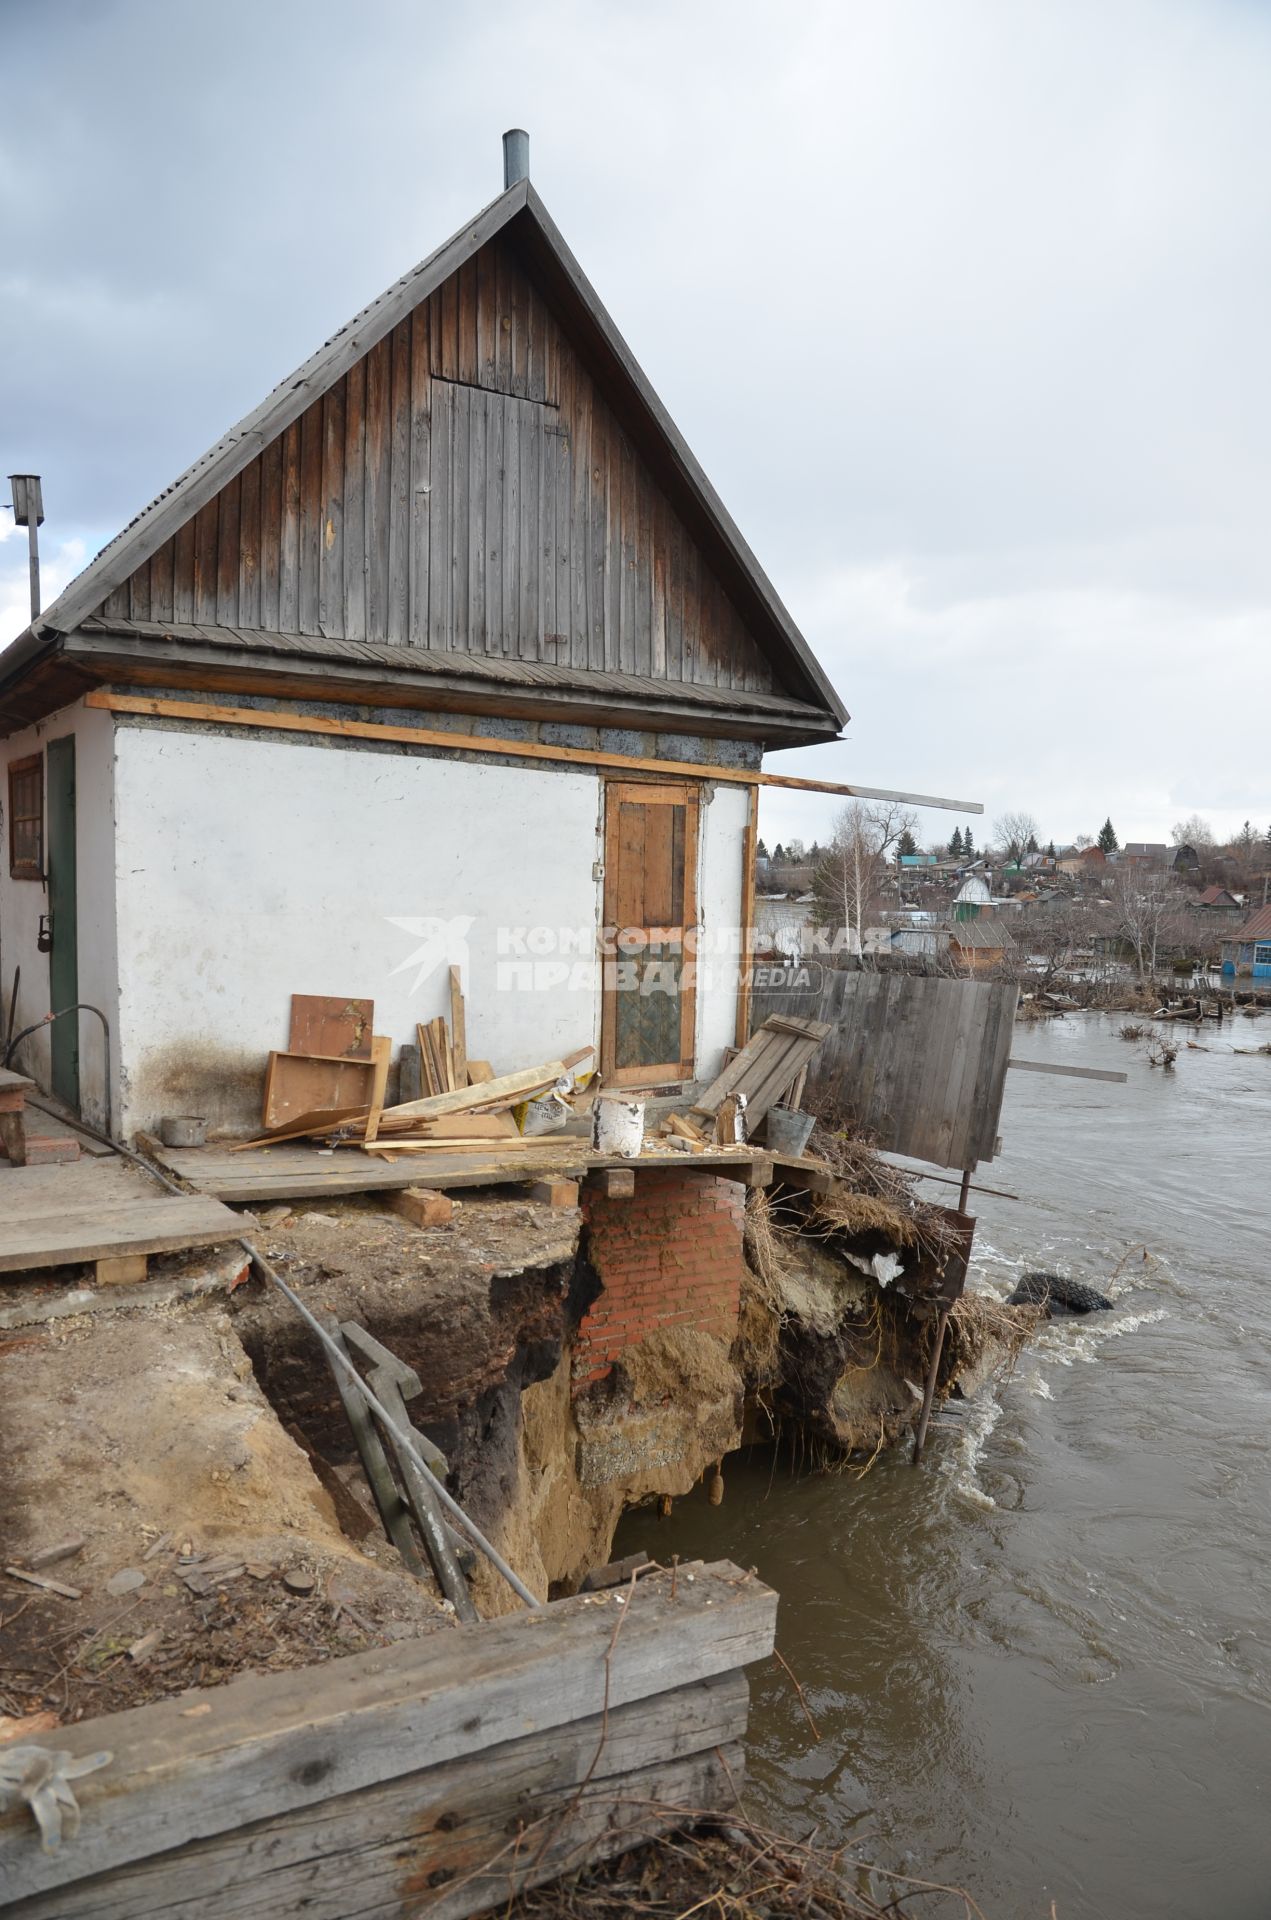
(964, 305)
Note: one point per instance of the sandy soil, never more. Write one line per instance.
(201, 1519)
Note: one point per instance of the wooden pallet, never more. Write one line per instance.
(767, 1066)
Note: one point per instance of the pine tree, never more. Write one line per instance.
(761, 851)
(968, 845)
(778, 854)
(1032, 843)
(955, 844)
(1050, 851)
(906, 844)
(1108, 842)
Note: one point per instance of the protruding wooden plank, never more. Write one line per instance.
(1071, 1073)
(458, 1029)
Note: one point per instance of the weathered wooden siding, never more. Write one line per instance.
(465, 487)
(918, 1064)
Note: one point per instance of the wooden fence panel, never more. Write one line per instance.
(919, 1064)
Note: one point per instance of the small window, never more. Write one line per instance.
(1262, 956)
(26, 818)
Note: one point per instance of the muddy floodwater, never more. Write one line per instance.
(1040, 1663)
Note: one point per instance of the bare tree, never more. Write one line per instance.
(1052, 936)
(1192, 832)
(849, 877)
(1013, 831)
(1148, 909)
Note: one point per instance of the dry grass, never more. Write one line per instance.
(766, 1255)
(910, 1221)
(856, 1213)
(977, 1319)
(733, 1870)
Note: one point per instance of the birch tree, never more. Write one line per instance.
(849, 877)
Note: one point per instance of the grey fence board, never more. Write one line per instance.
(919, 1064)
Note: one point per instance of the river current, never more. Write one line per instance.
(1039, 1663)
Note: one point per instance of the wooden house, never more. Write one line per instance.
(448, 653)
(1247, 949)
(1217, 900)
(980, 944)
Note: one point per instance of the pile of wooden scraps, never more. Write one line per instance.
(681, 1131)
(330, 1085)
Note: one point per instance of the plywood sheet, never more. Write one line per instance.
(327, 1025)
(296, 1084)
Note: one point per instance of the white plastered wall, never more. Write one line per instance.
(719, 896)
(23, 901)
(252, 868)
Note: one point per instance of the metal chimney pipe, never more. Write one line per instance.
(516, 156)
(28, 512)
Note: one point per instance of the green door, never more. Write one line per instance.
(64, 952)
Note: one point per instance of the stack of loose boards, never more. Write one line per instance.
(331, 1082)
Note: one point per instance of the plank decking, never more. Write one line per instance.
(57, 1216)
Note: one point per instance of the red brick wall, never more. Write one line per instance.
(671, 1256)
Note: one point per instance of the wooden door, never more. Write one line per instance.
(647, 1021)
(63, 916)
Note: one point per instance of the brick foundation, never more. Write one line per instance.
(671, 1256)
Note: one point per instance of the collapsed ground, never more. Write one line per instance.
(191, 1439)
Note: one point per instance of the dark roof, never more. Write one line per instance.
(985, 931)
(1216, 897)
(1256, 928)
(520, 213)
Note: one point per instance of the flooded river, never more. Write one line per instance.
(1040, 1663)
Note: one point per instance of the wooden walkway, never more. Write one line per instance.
(437, 1775)
(101, 1211)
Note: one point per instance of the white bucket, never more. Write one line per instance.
(617, 1125)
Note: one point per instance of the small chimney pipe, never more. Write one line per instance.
(28, 512)
(516, 156)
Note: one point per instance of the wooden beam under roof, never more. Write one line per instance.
(277, 721)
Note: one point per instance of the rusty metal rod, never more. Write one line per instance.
(924, 1418)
